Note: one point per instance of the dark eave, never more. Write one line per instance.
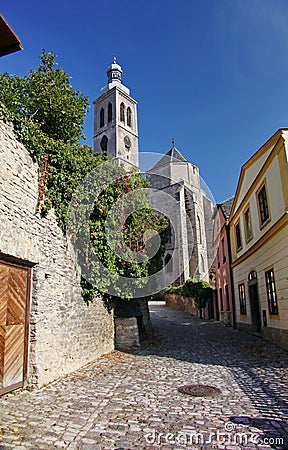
(9, 41)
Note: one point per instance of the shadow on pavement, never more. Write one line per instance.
(258, 366)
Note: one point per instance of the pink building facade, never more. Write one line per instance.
(222, 260)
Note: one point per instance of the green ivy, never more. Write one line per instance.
(201, 291)
(47, 115)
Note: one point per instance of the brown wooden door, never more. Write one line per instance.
(255, 309)
(14, 315)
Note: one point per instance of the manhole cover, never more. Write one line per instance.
(199, 390)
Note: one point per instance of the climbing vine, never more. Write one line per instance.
(47, 115)
(201, 291)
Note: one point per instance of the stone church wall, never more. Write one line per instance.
(208, 213)
(64, 332)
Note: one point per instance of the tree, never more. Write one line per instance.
(48, 117)
(45, 97)
(202, 294)
(201, 291)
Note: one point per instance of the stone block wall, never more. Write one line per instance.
(185, 304)
(64, 332)
(126, 333)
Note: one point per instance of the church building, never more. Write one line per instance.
(115, 119)
(189, 252)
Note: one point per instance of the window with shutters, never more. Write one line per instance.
(238, 236)
(242, 299)
(248, 225)
(271, 292)
(263, 205)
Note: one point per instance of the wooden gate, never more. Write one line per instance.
(14, 323)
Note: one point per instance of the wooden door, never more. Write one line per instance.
(14, 320)
(255, 309)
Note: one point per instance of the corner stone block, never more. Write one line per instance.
(126, 333)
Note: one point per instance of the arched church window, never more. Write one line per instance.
(200, 229)
(122, 112)
(169, 237)
(129, 116)
(110, 112)
(168, 263)
(104, 144)
(202, 264)
(102, 117)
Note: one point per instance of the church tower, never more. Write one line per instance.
(115, 120)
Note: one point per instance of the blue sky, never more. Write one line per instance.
(210, 73)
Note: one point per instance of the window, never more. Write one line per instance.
(271, 291)
(168, 263)
(227, 297)
(122, 112)
(101, 117)
(129, 116)
(202, 264)
(104, 144)
(223, 250)
(200, 229)
(252, 276)
(218, 259)
(238, 236)
(169, 237)
(242, 299)
(221, 299)
(248, 225)
(263, 205)
(110, 112)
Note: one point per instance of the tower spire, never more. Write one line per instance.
(115, 119)
(114, 74)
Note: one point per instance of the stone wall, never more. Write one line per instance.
(126, 333)
(279, 337)
(185, 304)
(64, 332)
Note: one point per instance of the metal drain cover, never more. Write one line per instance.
(199, 390)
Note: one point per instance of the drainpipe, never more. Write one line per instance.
(231, 274)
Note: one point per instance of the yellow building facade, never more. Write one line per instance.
(259, 241)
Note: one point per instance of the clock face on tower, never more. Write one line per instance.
(127, 143)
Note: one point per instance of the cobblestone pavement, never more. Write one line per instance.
(130, 401)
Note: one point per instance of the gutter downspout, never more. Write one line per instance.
(231, 275)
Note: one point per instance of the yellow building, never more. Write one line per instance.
(259, 241)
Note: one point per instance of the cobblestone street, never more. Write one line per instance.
(130, 401)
